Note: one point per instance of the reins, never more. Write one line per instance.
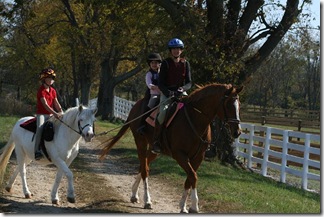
(131, 121)
(79, 126)
(80, 131)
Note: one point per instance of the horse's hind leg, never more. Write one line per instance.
(22, 161)
(22, 170)
(134, 197)
(12, 180)
(183, 201)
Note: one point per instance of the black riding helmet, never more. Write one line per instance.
(154, 57)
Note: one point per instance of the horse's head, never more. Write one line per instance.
(86, 120)
(231, 109)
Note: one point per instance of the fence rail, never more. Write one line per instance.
(279, 149)
(287, 151)
(289, 117)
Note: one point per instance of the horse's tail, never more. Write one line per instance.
(4, 158)
(112, 141)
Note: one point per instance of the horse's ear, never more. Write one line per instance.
(239, 89)
(80, 108)
(229, 91)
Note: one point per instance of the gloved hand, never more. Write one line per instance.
(172, 93)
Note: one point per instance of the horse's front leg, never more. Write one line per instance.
(194, 201)
(147, 197)
(190, 183)
(54, 192)
(61, 165)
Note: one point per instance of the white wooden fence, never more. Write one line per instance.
(121, 107)
(248, 144)
(277, 144)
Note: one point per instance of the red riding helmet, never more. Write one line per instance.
(47, 73)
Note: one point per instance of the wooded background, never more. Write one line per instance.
(98, 48)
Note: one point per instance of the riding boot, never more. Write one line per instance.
(156, 149)
(38, 153)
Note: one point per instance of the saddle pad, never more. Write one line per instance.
(151, 119)
(30, 125)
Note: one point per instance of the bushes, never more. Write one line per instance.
(11, 106)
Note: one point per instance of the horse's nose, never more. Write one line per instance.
(89, 136)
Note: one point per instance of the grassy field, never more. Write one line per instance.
(221, 188)
(224, 189)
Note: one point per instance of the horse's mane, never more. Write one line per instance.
(70, 115)
(203, 91)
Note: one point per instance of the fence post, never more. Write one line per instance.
(299, 125)
(250, 152)
(266, 152)
(259, 154)
(263, 120)
(305, 162)
(285, 140)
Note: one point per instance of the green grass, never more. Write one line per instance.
(6, 125)
(221, 188)
(224, 189)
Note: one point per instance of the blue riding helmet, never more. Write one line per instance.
(175, 43)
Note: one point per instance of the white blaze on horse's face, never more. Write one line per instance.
(237, 109)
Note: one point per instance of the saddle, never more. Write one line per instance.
(171, 113)
(47, 132)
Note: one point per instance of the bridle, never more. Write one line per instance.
(79, 126)
(230, 120)
(224, 122)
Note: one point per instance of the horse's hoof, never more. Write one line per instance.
(184, 211)
(8, 189)
(56, 202)
(148, 206)
(28, 196)
(71, 199)
(192, 211)
(134, 200)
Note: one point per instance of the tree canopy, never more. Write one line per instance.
(96, 45)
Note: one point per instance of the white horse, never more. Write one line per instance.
(62, 150)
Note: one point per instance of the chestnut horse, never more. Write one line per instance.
(185, 139)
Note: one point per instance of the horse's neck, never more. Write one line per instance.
(70, 120)
(208, 107)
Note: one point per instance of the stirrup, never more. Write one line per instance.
(156, 148)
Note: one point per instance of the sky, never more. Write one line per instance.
(315, 9)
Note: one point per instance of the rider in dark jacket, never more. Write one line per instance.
(174, 80)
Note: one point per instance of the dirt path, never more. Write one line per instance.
(100, 187)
